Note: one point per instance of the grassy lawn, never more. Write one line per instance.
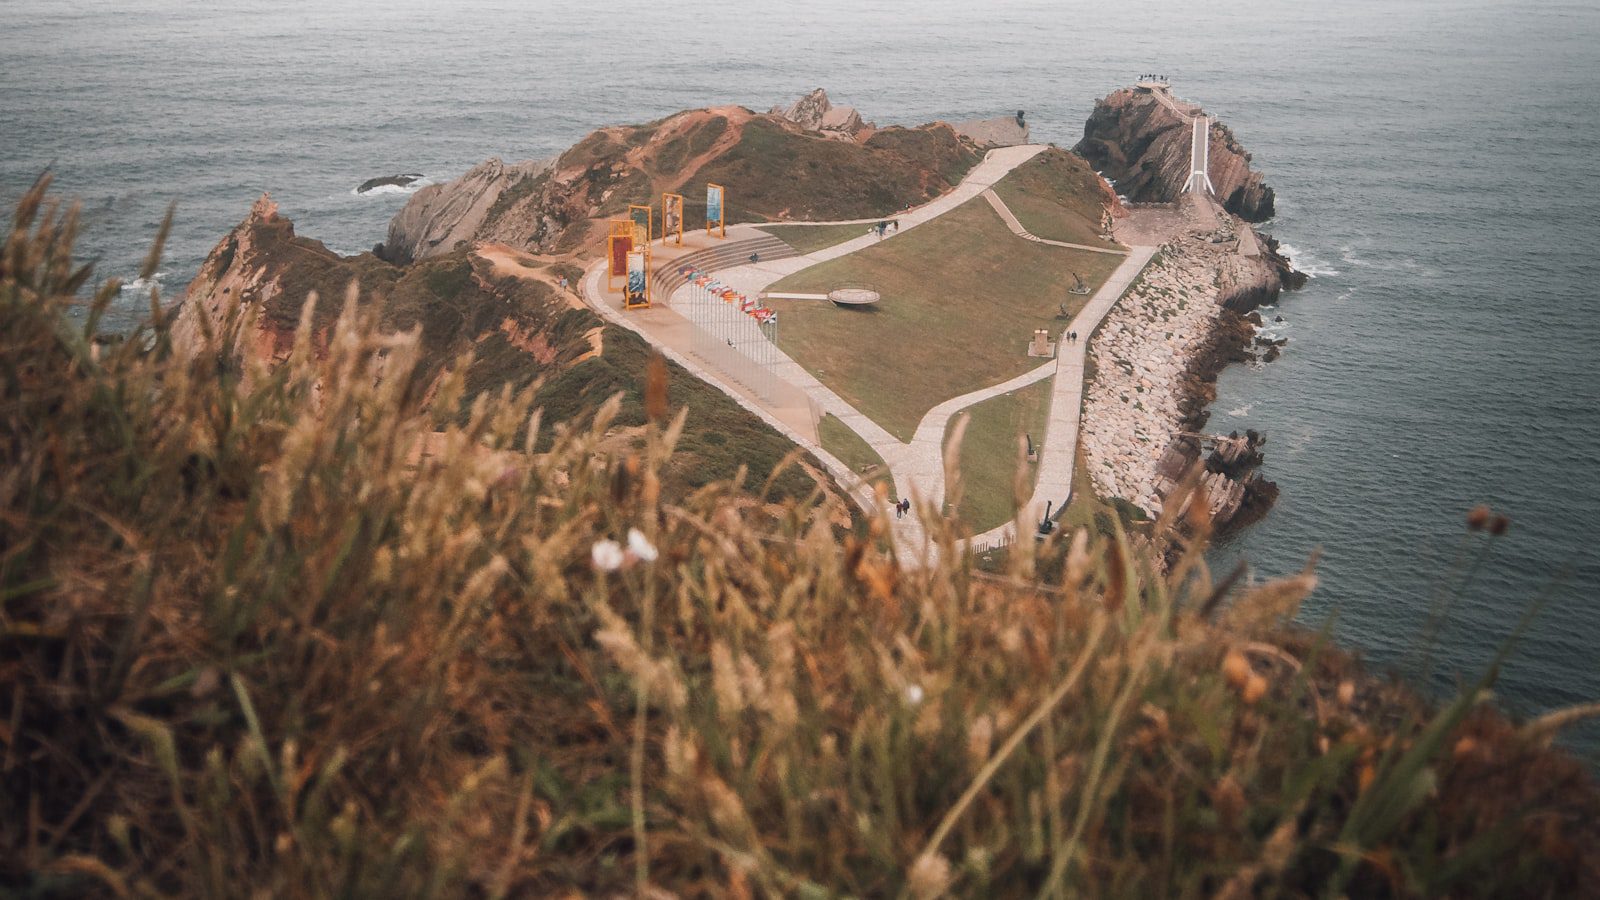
(838, 439)
(810, 238)
(989, 452)
(1058, 197)
(961, 297)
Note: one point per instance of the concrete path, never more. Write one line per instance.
(1016, 228)
(654, 329)
(917, 467)
(753, 278)
(1059, 450)
(922, 461)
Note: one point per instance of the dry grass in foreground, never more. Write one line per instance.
(250, 645)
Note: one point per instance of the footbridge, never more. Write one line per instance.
(1200, 157)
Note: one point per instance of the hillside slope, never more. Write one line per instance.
(500, 306)
(773, 168)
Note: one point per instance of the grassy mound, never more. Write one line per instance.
(961, 298)
(772, 169)
(522, 334)
(989, 459)
(1058, 197)
(253, 642)
(777, 171)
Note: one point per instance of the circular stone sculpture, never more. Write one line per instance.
(853, 296)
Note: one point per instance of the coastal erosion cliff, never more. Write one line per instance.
(1157, 355)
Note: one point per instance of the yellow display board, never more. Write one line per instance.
(643, 218)
(636, 294)
(716, 209)
(672, 218)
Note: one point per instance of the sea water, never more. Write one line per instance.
(1435, 164)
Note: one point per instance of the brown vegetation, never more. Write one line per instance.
(248, 646)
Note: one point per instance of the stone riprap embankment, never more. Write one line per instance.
(1141, 353)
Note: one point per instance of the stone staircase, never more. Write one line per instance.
(723, 256)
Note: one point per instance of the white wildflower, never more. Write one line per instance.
(914, 694)
(640, 547)
(606, 555)
(929, 876)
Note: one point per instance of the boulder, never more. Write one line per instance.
(399, 181)
(815, 112)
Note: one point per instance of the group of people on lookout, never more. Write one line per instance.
(1152, 78)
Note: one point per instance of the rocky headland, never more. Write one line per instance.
(479, 263)
(1139, 138)
(1157, 355)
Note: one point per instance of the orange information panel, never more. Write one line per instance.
(672, 218)
(618, 246)
(716, 210)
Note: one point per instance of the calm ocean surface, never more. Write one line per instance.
(1436, 168)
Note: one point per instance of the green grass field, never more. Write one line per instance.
(811, 238)
(989, 452)
(852, 450)
(1056, 196)
(961, 297)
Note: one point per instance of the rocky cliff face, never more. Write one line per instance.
(264, 267)
(441, 216)
(1140, 139)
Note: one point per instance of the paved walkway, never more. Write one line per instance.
(917, 467)
(1059, 450)
(753, 278)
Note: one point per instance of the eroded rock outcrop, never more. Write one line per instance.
(815, 112)
(1140, 139)
(441, 216)
(268, 270)
(1156, 359)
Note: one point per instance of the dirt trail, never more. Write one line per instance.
(514, 263)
